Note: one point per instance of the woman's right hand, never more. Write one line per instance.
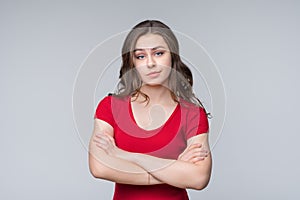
(193, 153)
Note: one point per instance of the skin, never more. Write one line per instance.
(192, 169)
(152, 60)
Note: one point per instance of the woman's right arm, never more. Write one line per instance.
(113, 169)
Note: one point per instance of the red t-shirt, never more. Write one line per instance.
(167, 141)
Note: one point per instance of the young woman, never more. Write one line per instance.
(150, 138)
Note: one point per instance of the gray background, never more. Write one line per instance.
(255, 44)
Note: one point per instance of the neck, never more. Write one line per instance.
(157, 94)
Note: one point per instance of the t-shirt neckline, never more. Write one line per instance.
(156, 129)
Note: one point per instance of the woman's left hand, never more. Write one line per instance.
(193, 154)
(107, 143)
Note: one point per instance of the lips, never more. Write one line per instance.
(153, 73)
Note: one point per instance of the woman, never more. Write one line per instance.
(150, 138)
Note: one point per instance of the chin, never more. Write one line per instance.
(155, 84)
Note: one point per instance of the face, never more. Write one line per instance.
(152, 59)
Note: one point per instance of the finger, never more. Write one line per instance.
(111, 139)
(205, 151)
(101, 146)
(193, 146)
(106, 135)
(200, 153)
(108, 141)
(193, 153)
(196, 145)
(203, 155)
(100, 138)
(190, 153)
(199, 150)
(99, 134)
(197, 155)
(190, 157)
(195, 160)
(101, 141)
(187, 154)
(103, 137)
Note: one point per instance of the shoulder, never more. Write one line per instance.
(109, 107)
(106, 99)
(112, 99)
(191, 108)
(112, 104)
(195, 119)
(193, 114)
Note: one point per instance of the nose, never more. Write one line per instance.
(151, 61)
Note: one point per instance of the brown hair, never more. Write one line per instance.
(180, 79)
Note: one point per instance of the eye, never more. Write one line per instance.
(159, 53)
(139, 57)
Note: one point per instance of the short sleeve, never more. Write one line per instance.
(197, 122)
(104, 111)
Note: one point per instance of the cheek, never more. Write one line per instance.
(168, 71)
(167, 61)
(140, 70)
(139, 63)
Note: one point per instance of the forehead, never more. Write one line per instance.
(150, 41)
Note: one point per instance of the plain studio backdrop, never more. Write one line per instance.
(255, 45)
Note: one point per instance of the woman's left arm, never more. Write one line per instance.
(173, 172)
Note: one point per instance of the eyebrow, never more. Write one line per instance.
(154, 48)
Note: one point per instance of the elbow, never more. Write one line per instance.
(98, 173)
(203, 177)
(200, 183)
(200, 186)
(97, 170)
(95, 173)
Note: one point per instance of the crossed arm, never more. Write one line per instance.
(192, 169)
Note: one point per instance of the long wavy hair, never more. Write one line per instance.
(180, 78)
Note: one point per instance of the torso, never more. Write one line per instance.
(166, 139)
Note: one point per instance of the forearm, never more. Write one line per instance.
(178, 173)
(174, 172)
(118, 170)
